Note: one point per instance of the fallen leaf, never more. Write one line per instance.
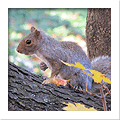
(77, 107)
(55, 81)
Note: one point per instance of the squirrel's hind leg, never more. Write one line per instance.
(80, 80)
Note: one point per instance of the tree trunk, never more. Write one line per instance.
(25, 93)
(98, 32)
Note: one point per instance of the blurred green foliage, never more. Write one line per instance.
(58, 23)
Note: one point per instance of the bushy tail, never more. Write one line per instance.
(103, 65)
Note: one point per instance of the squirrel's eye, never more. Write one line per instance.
(28, 41)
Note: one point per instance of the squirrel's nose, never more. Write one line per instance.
(17, 50)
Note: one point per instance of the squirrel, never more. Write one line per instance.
(51, 51)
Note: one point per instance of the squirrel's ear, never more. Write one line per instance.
(32, 28)
(37, 33)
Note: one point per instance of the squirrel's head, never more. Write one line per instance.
(30, 44)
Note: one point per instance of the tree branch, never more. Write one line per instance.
(25, 93)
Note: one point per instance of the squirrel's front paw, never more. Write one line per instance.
(43, 66)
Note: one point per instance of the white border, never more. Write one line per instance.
(4, 113)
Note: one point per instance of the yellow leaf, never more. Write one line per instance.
(98, 77)
(55, 81)
(77, 64)
(65, 63)
(62, 82)
(47, 81)
(106, 79)
(77, 107)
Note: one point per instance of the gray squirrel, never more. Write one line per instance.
(51, 51)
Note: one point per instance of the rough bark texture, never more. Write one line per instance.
(25, 93)
(98, 32)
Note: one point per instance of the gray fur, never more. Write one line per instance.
(51, 51)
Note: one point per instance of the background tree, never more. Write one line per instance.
(98, 32)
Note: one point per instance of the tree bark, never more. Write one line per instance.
(98, 32)
(25, 93)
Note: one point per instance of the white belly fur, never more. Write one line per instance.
(41, 57)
